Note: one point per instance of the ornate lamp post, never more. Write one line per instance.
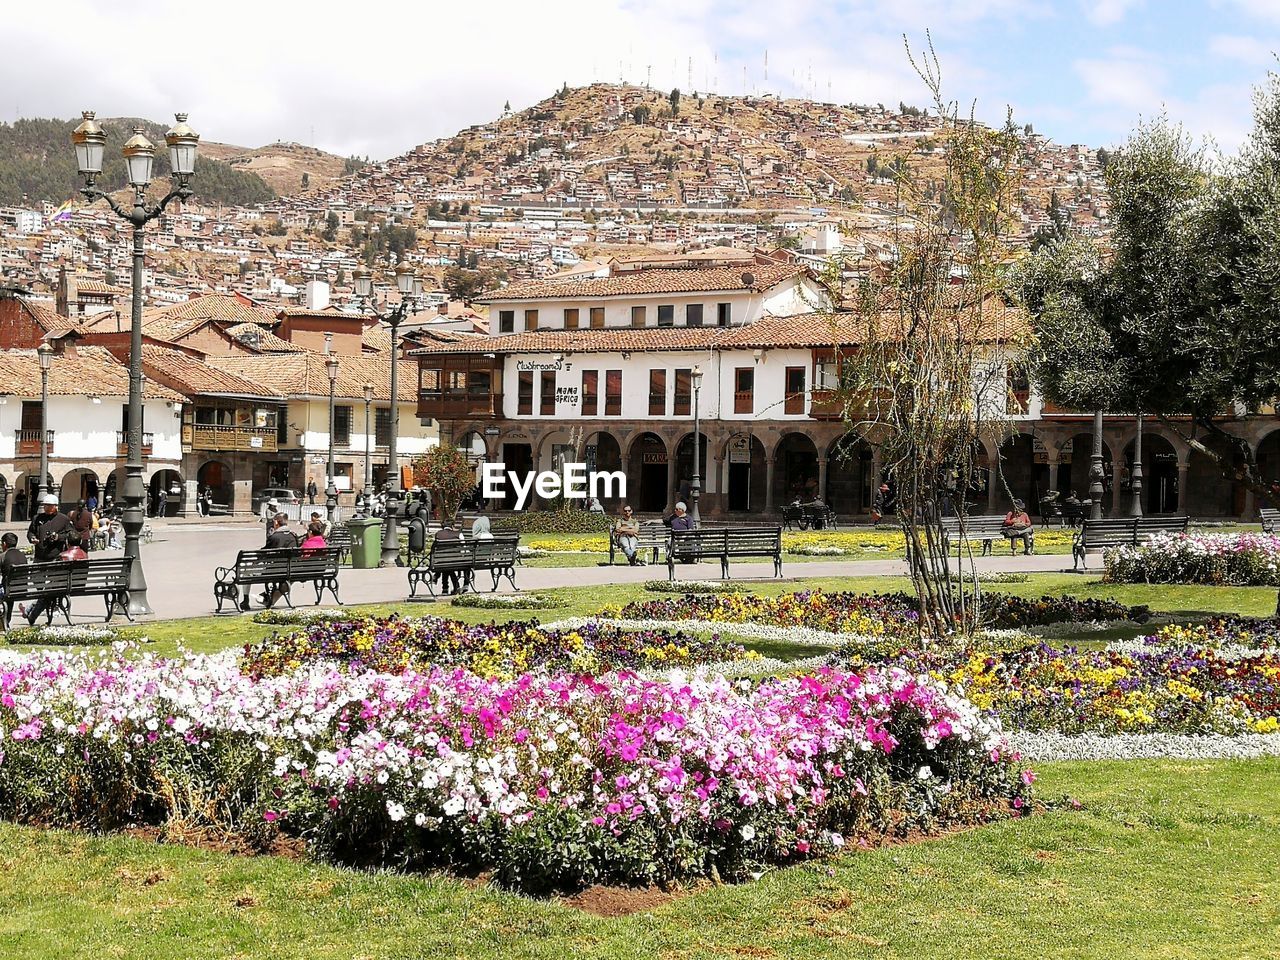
(89, 140)
(1096, 474)
(331, 489)
(1135, 478)
(45, 352)
(368, 440)
(695, 485)
(410, 290)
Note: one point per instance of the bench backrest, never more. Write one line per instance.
(340, 536)
(1269, 513)
(728, 540)
(39, 579)
(286, 561)
(981, 526)
(102, 575)
(501, 550)
(452, 554)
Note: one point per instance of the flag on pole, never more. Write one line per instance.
(62, 213)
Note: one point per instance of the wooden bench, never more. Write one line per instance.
(1268, 516)
(1130, 531)
(653, 536)
(984, 529)
(60, 580)
(497, 556)
(815, 514)
(724, 543)
(274, 570)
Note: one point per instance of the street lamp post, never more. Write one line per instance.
(1135, 477)
(1096, 474)
(89, 140)
(45, 352)
(331, 489)
(368, 442)
(410, 290)
(695, 485)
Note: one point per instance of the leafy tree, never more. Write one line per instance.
(446, 472)
(873, 162)
(465, 283)
(506, 107)
(1056, 229)
(331, 223)
(1104, 155)
(353, 164)
(640, 114)
(306, 180)
(674, 99)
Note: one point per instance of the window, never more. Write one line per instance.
(693, 315)
(31, 417)
(382, 426)
(681, 401)
(571, 318)
(613, 393)
(666, 315)
(342, 426)
(825, 375)
(724, 314)
(597, 318)
(506, 321)
(744, 385)
(282, 427)
(657, 393)
(793, 401)
(124, 416)
(524, 394)
(590, 392)
(547, 404)
(638, 317)
(531, 320)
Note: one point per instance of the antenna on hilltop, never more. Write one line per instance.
(766, 66)
(648, 75)
(691, 73)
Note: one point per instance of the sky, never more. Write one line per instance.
(377, 77)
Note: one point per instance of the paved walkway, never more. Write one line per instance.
(180, 563)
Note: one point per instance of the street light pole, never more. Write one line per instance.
(695, 484)
(89, 140)
(45, 353)
(1096, 473)
(368, 442)
(407, 284)
(1135, 477)
(331, 488)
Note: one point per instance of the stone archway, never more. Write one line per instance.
(602, 453)
(795, 472)
(216, 476)
(79, 484)
(648, 474)
(1160, 492)
(1209, 492)
(851, 480)
(1025, 476)
(1075, 459)
(166, 494)
(744, 479)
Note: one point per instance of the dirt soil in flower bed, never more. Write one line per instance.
(218, 841)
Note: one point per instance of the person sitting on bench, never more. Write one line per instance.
(1017, 526)
(626, 531)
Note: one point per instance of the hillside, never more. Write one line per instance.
(37, 162)
(282, 165)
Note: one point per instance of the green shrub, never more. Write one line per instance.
(554, 521)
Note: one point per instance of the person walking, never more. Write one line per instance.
(312, 490)
(162, 501)
(207, 500)
(48, 530)
(626, 534)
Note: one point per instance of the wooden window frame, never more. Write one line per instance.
(506, 321)
(658, 393)
(597, 318)
(682, 395)
(530, 321)
(590, 392)
(793, 400)
(524, 393)
(744, 401)
(613, 393)
(640, 312)
(693, 310)
(571, 318)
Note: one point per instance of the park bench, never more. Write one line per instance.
(497, 556)
(984, 529)
(1126, 532)
(340, 537)
(60, 580)
(815, 514)
(724, 543)
(275, 569)
(1268, 516)
(653, 536)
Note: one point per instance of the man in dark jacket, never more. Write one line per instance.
(312, 490)
(448, 577)
(82, 520)
(10, 558)
(49, 530)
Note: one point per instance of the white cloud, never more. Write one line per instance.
(1106, 12)
(1123, 79)
(1259, 9)
(1245, 50)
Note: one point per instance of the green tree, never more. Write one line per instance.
(331, 223)
(674, 99)
(640, 114)
(306, 180)
(446, 472)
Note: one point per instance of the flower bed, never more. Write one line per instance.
(509, 601)
(1241, 559)
(549, 780)
(693, 586)
(869, 615)
(395, 644)
(73, 635)
(286, 618)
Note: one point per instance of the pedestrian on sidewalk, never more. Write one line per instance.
(312, 490)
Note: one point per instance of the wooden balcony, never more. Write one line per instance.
(793, 403)
(460, 405)
(122, 443)
(28, 443)
(212, 436)
(744, 401)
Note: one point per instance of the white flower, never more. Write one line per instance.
(395, 811)
(924, 773)
(748, 832)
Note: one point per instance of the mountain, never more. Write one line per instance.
(37, 163)
(282, 165)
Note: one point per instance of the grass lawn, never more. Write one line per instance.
(1165, 860)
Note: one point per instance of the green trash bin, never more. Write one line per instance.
(366, 542)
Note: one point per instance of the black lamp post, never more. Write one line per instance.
(45, 353)
(1135, 477)
(1097, 488)
(410, 290)
(331, 489)
(695, 485)
(89, 140)
(368, 441)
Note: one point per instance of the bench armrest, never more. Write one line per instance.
(224, 574)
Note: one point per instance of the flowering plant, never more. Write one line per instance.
(1244, 559)
(71, 635)
(509, 601)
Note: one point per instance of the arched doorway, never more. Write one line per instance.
(1025, 470)
(1268, 458)
(602, 454)
(5, 493)
(1210, 492)
(850, 477)
(1074, 462)
(168, 483)
(744, 474)
(473, 447)
(1159, 475)
(215, 476)
(79, 484)
(795, 469)
(684, 467)
(647, 474)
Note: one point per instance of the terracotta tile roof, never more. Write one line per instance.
(648, 282)
(86, 285)
(168, 323)
(194, 376)
(93, 370)
(261, 339)
(46, 319)
(376, 338)
(304, 375)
